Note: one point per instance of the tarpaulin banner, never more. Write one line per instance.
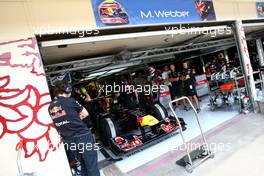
(260, 9)
(140, 12)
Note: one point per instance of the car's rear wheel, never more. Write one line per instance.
(108, 130)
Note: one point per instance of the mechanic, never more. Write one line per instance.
(128, 98)
(81, 95)
(165, 75)
(155, 80)
(189, 85)
(67, 115)
(155, 76)
(177, 85)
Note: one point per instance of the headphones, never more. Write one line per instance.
(66, 88)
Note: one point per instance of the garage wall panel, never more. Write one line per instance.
(24, 18)
(13, 20)
(24, 101)
(235, 9)
(62, 13)
(225, 10)
(247, 10)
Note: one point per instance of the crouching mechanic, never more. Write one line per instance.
(67, 115)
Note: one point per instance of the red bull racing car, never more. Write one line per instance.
(124, 131)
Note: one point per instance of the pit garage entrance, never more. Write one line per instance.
(130, 55)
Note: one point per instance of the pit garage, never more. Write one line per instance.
(133, 55)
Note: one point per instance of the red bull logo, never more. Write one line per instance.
(56, 109)
(57, 112)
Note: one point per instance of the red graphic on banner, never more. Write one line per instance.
(23, 111)
(244, 41)
(200, 6)
(245, 49)
(5, 58)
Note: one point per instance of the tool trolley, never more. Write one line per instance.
(194, 158)
(229, 89)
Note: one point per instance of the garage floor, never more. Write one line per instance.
(209, 121)
(243, 137)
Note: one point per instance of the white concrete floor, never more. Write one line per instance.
(242, 154)
(208, 119)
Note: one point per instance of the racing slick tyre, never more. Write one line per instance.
(159, 111)
(108, 130)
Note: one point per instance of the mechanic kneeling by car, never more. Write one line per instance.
(67, 115)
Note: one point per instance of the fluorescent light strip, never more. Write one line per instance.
(116, 70)
(126, 36)
(253, 25)
(97, 74)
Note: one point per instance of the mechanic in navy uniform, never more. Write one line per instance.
(189, 85)
(67, 115)
(176, 85)
(85, 100)
(129, 97)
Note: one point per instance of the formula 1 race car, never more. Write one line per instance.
(125, 130)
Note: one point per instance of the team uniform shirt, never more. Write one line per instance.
(189, 72)
(173, 75)
(177, 86)
(79, 97)
(165, 76)
(65, 115)
(189, 84)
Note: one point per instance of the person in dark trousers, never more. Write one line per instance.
(189, 85)
(67, 115)
(176, 85)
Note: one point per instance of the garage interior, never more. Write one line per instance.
(116, 52)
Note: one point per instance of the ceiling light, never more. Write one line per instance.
(127, 36)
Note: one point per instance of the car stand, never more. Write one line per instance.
(194, 158)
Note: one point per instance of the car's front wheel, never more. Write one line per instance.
(108, 130)
(159, 111)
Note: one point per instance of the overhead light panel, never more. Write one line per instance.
(173, 31)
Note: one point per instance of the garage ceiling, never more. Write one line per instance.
(84, 50)
(70, 50)
(75, 49)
